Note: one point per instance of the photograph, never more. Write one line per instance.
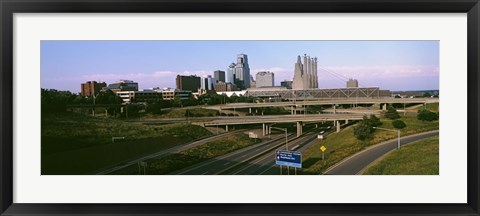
(239, 107)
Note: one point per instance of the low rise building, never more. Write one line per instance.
(90, 88)
(152, 95)
(122, 85)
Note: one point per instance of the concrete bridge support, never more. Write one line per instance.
(338, 126)
(334, 109)
(226, 128)
(346, 121)
(263, 129)
(299, 128)
(384, 108)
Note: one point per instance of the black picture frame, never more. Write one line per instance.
(9, 7)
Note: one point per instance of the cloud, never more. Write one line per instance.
(389, 76)
(393, 71)
(406, 77)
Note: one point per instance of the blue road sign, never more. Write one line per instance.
(289, 158)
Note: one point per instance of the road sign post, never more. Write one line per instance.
(288, 159)
(323, 148)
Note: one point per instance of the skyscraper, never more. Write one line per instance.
(191, 83)
(305, 76)
(242, 70)
(265, 79)
(219, 75)
(231, 73)
(207, 83)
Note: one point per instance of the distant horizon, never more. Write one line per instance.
(389, 65)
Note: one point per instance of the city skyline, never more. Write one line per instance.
(393, 65)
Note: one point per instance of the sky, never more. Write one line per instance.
(390, 65)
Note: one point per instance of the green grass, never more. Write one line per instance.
(419, 158)
(78, 144)
(434, 107)
(344, 144)
(183, 159)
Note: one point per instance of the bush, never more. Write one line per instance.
(375, 121)
(363, 131)
(391, 113)
(230, 114)
(399, 124)
(426, 115)
(223, 114)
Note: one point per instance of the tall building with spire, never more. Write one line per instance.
(305, 76)
(242, 70)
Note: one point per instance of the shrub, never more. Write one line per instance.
(363, 131)
(375, 121)
(426, 115)
(399, 124)
(391, 113)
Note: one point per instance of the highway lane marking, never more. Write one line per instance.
(270, 155)
(225, 156)
(204, 173)
(168, 151)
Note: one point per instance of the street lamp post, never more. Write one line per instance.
(398, 134)
(286, 136)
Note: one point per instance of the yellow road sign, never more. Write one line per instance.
(323, 148)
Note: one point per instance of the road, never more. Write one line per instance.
(283, 119)
(325, 102)
(254, 160)
(265, 164)
(356, 163)
(169, 151)
(222, 163)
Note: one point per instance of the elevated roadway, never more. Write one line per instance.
(273, 119)
(337, 101)
(282, 119)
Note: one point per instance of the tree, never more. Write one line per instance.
(391, 113)
(375, 121)
(364, 129)
(426, 115)
(108, 97)
(132, 110)
(427, 94)
(399, 124)
(155, 106)
(56, 101)
(177, 101)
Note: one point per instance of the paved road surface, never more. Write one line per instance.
(356, 163)
(169, 151)
(220, 164)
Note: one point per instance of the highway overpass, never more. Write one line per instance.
(266, 120)
(339, 101)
